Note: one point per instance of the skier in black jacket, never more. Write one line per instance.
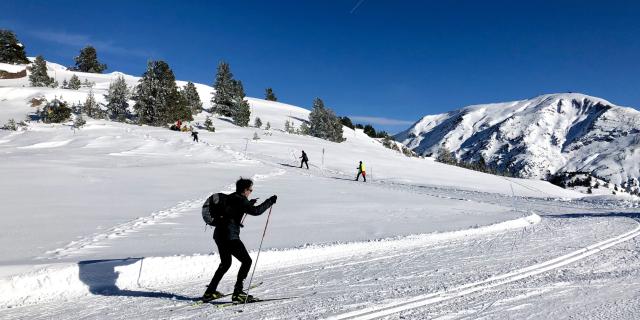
(305, 160)
(227, 238)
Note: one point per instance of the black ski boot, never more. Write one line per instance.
(210, 296)
(242, 297)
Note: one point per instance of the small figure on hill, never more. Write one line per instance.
(305, 160)
(194, 134)
(227, 238)
(361, 171)
(176, 126)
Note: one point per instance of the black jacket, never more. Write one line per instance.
(304, 156)
(235, 207)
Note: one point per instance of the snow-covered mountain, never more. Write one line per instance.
(537, 137)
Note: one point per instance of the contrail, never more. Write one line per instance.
(356, 6)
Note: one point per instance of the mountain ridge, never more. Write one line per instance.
(538, 137)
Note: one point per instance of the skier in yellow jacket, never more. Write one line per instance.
(361, 171)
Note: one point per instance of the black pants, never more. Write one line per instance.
(364, 176)
(195, 138)
(228, 248)
(305, 163)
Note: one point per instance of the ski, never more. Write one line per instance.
(199, 301)
(257, 300)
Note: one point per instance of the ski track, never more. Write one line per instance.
(354, 278)
(121, 230)
(422, 301)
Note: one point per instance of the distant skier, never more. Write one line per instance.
(194, 134)
(305, 160)
(361, 171)
(227, 238)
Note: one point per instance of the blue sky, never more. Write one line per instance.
(391, 61)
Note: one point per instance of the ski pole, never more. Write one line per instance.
(258, 256)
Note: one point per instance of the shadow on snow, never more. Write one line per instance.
(101, 277)
(632, 215)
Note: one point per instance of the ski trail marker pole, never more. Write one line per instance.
(258, 256)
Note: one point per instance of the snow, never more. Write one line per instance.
(104, 222)
(11, 67)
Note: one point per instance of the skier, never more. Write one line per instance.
(227, 238)
(361, 171)
(194, 134)
(305, 160)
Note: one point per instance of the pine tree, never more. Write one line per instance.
(79, 121)
(10, 125)
(242, 115)
(445, 156)
(91, 106)
(269, 95)
(238, 90)
(39, 76)
(55, 111)
(304, 129)
(118, 99)
(87, 61)
(370, 131)
(192, 97)
(346, 121)
(324, 123)
(11, 50)
(208, 124)
(65, 84)
(74, 83)
(287, 126)
(77, 108)
(88, 83)
(222, 100)
(268, 126)
(257, 123)
(255, 136)
(336, 126)
(158, 100)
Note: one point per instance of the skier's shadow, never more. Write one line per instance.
(632, 215)
(289, 165)
(101, 277)
(339, 178)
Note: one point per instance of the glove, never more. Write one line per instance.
(253, 201)
(273, 198)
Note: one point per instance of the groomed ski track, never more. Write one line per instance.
(422, 301)
(385, 279)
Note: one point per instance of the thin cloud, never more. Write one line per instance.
(381, 121)
(80, 40)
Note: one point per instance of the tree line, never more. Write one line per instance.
(157, 100)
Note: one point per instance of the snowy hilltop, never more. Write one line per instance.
(537, 137)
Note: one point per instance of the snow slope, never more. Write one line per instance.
(104, 222)
(537, 137)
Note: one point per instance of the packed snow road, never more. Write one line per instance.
(576, 258)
